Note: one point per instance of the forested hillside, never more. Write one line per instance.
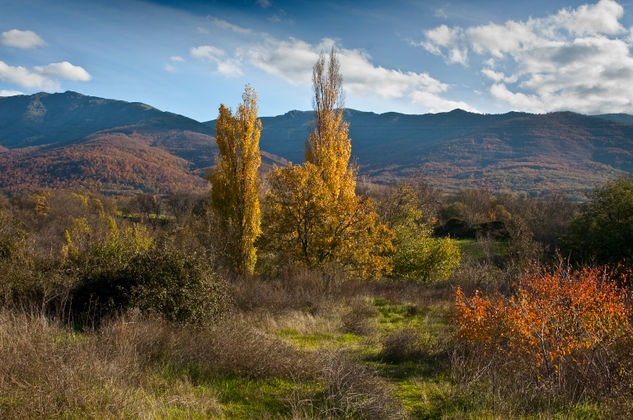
(534, 154)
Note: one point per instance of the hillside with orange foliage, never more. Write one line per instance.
(107, 162)
(528, 153)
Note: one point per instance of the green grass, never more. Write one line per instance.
(239, 397)
(246, 398)
(320, 339)
(423, 383)
(423, 386)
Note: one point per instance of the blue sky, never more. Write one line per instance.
(406, 56)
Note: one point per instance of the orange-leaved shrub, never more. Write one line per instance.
(564, 331)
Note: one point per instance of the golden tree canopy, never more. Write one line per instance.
(315, 216)
(235, 180)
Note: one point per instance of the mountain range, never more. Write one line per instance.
(69, 139)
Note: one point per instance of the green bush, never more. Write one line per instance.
(127, 269)
(418, 256)
(177, 286)
(603, 231)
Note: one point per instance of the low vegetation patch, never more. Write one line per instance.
(563, 335)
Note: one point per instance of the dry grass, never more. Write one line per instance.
(349, 391)
(300, 289)
(357, 319)
(147, 368)
(403, 345)
(51, 372)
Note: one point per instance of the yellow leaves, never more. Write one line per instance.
(316, 217)
(235, 180)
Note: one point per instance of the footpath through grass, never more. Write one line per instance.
(382, 353)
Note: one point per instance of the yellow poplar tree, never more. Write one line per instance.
(315, 216)
(235, 180)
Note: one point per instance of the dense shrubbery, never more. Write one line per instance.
(124, 268)
(564, 332)
(95, 268)
(603, 231)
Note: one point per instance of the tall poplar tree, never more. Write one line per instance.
(235, 181)
(315, 215)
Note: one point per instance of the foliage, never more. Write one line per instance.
(560, 331)
(123, 268)
(235, 193)
(109, 162)
(16, 262)
(97, 257)
(603, 230)
(314, 215)
(177, 286)
(418, 255)
(307, 226)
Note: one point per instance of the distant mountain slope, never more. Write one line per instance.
(68, 139)
(621, 118)
(58, 118)
(560, 151)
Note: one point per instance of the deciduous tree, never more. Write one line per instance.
(419, 256)
(315, 215)
(235, 181)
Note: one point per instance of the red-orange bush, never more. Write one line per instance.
(562, 329)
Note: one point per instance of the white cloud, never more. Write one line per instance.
(576, 59)
(226, 66)
(264, 4)
(21, 39)
(4, 93)
(443, 36)
(436, 103)
(42, 77)
(177, 59)
(208, 52)
(64, 70)
(170, 68)
(292, 60)
(26, 78)
(223, 24)
(498, 76)
(600, 18)
(521, 101)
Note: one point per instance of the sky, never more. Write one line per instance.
(406, 56)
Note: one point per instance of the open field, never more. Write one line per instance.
(361, 351)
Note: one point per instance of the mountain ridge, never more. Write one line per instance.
(67, 139)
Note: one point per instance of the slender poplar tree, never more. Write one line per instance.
(316, 217)
(235, 181)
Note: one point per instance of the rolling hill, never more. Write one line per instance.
(69, 139)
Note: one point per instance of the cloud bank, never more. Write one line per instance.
(576, 59)
(292, 60)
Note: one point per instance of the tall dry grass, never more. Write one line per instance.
(141, 367)
(49, 371)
